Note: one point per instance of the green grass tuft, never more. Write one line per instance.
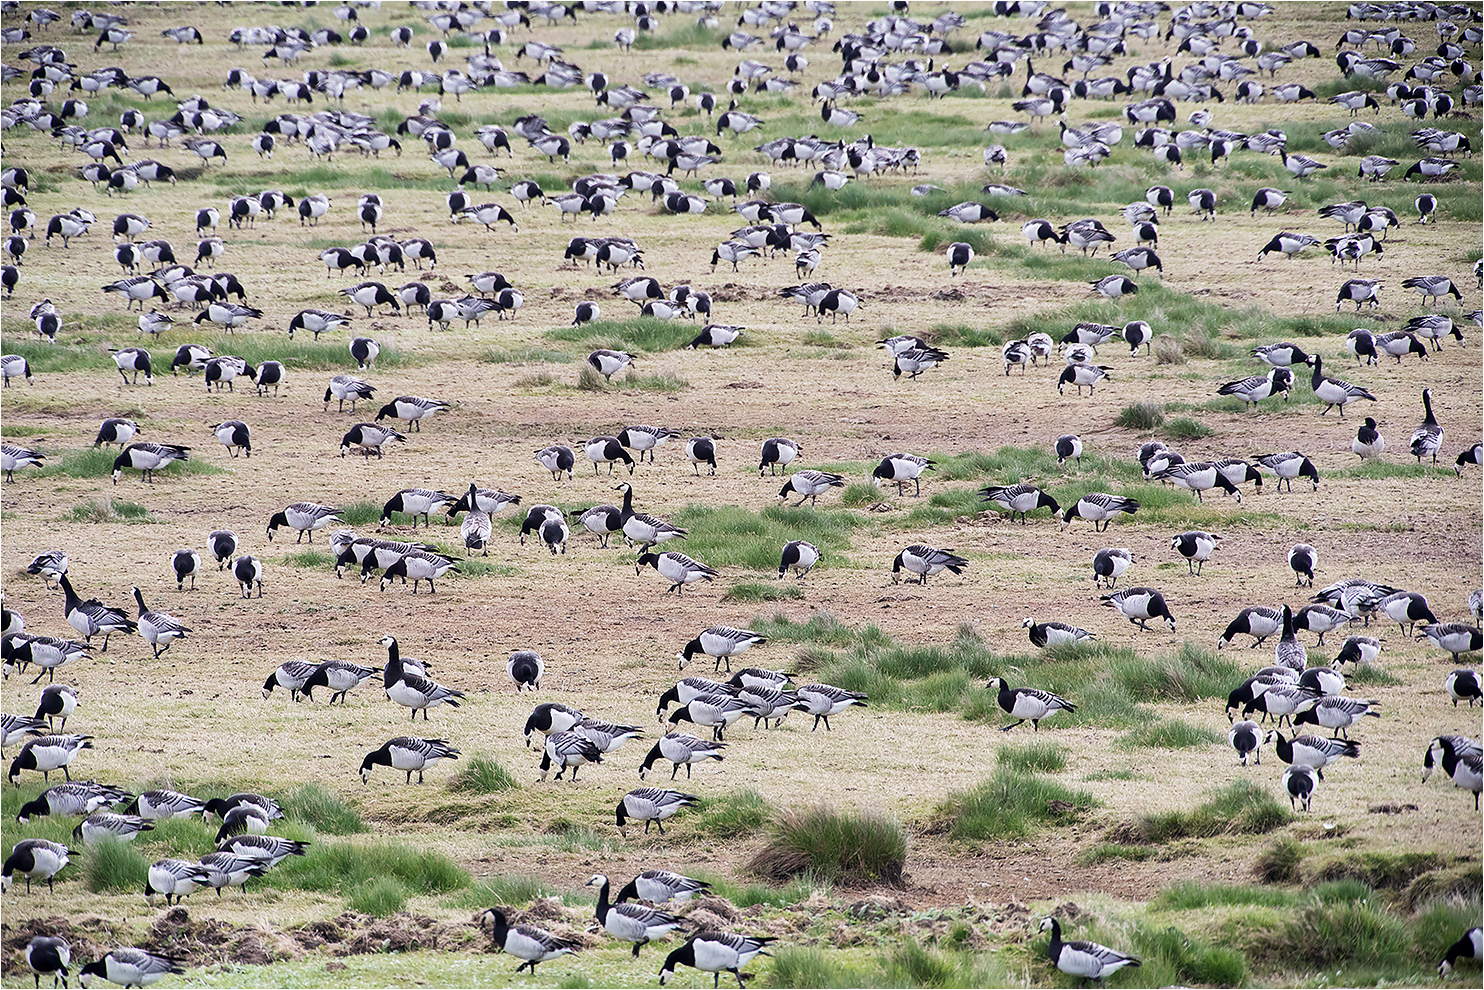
(1169, 733)
(114, 867)
(109, 511)
(379, 897)
(1238, 808)
(1034, 757)
(737, 814)
(1142, 415)
(361, 514)
(1190, 895)
(1012, 805)
(344, 867)
(1279, 862)
(482, 774)
(840, 846)
(1109, 852)
(322, 810)
(757, 591)
(1186, 429)
(309, 558)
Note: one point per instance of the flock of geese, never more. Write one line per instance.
(1289, 690)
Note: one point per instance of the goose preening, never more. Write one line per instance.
(1027, 704)
(527, 942)
(716, 952)
(1088, 960)
(49, 955)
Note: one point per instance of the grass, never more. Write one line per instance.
(1013, 804)
(309, 558)
(1142, 415)
(739, 813)
(639, 336)
(1112, 852)
(1380, 870)
(849, 847)
(115, 867)
(1170, 956)
(109, 510)
(97, 462)
(1170, 733)
(503, 890)
(482, 774)
(1186, 429)
(732, 536)
(1033, 757)
(322, 810)
(1190, 895)
(345, 867)
(757, 591)
(1279, 862)
(379, 897)
(1239, 808)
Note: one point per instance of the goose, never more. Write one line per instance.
(1433, 287)
(1333, 391)
(536, 517)
(148, 458)
(925, 561)
(1045, 634)
(701, 450)
(569, 748)
(1196, 547)
(1254, 389)
(1289, 652)
(245, 817)
(1455, 637)
(716, 952)
(1314, 751)
(1198, 477)
(13, 456)
(162, 804)
(1406, 609)
(1299, 782)
(1463, 685)
(475, 530)
(554, 532)
(1302, 558)
(413, 690)
(528, 942)
(419, 565)
(1302, 166)
(809, 485)
(641, 528)
(551, 717)
(525, 668)
(645, 438)
(658, 886)
(1433, 327)
(417, 502)
(651, 805)
(269, 373)
(1358, 650)
(51, 565)
(1335, 713)
(603, 521)
(609, 363)
(336, 676)
(824, 700)
(1022, 498)
(1427, 439)
(1109, 564)
(16, 366)
(316, 321)
(715, 335)
(78, 797)
(344, 387)
(1398, 344)
(57, 701)
(157, 627)
(230, 870)
(631, 922)
(801, 555)
(1099, 508)
(778, 452)
(1083, 376)
(50, 955)
(18, 727)
(306, 517)
(91, 618)
(1247, 738)
(47, 753)
(900, 468)
(1139, 605)
(720, 643)
(268, 849)
(558, 458)
(1116, 286)
(1469, 946)
(1466, 771)
(38, 859)
(407, 753)
(1088, 960)
(46, 652)
(129, 966)
(1368, 441)
(675, 567)
(370, 438)
(1032, 704)
(1359, 291)
(291, 675)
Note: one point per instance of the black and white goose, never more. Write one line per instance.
(718, 711)
(1427, 439)
(230, 870)
(148, 458)
(306, 517)
(1254, 389)
(602, 521)
(1359, 291)
(92, 618)
(1139, 605)
(558, 458)
(50, 955)
(1455, 637)
(1406, 609)
(527, 942)
(720, 643)
(1088, 960)
(1055, 633)
(50, 565)
(1195, 546)
(901, 468)
(676, 568)
(248, 570)
(607, 450)
(339, 677)
(128, 966)
(34, 859)
(350, 387)
(291, 676)
(416, 502)
(1433, 287)
(75, 798)
(824, 700)
(681, 749)
(609, 363)
(631, 922)
(1290, 652)
(1299, 782)
(487, 500)
(641, 528)
(420, 566)
(716, 952)
(1247, 738)
(1109, 564)
(15, 366)
(916, 360)
(551, 717)
(370, 438)
(809, 485)
(659, 886)
(412, 408)
(1197, 477)
(408, 754)
(1289, 465)
(1368, 441)
(651, 805)
(645, 438)
(57, 702)
(475, 531)
(701, 450)
(268, 849)
(1099, 508)
(778, 452)
(1466, 770)
(46, 652)
(801, 555)
(1358, 650)
(1469, 946)
(1027, 704)
(525, 668)
(158, 628)
(1314, 751)
(1335, 713)
(47, 753)
(1288, 243)
(925, 561)
(412, 690)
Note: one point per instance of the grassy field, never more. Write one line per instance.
(915, 844)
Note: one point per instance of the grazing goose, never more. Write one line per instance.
(916, 360)
(1197, 477)
(901, 468)
(51, 565)
(50, 955)
(230, 870)
(645, 438)
(420, 566)
(1088, 960)
(721, 643)
(603, 521)
(15, 366)
(1466, 771)
(554, 532)
(1455, 637)
(306, 517)
(1302, 558)
(1314, 751)
(91, 618)
(1290, 652)
(1068, 447)
(147, 458)
(247, 818)
(370, 438)
(47, 753)
(631, 922)
(415, 692)
(350, 387)
(1335, 713)
(1463, 685)
(416, 502)
(1433, 287)
(129, 966)
(925, 561)
(1358, 650)
(606, 736)
(718, 711)
(1117, 286)
(268, 849)
(291, 675)
(658, 886)
(536, 517)
(701, 450)
(643, 529)
(778, 452)
(186, 563)
(1254, 389)
(1469, 946)
(1474, 455)
(1299, 782)
(1055, 633)
(651, 805)
(715, 335)
(1247, 738)
(525, 668)
(606, 450)
(338, 677)
(46, 652)
(487, 500)
(1027, 704)
(1291, 464)
(687, 689)
(528, 942)
(1427, 439)
(801, 555)
(1099, 508)
(809, 485)
(1109, 564)
(959, 256)
(681, 749)
(14, 728)
(609, 363)
(412, 408)
(407, 753)
(1406, 609)
(716, 952)
(248, 570)
(1139, 605)
(34, 859)
(1359, 291)
(1442, 745)
(675, 567)
(78, 797)
(157, 627)
(1196, 547)
(824, 700)
(551, 717)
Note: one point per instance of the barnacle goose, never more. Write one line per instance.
(370, 438)
(778, 452)
(15, 366)
(658, 886)
(1358, 650)
(338, 677)
(528, 942)
(701, 450)
(716, 335)
(1335, 713)
(720, 643)
(230, 870)
(916, 360)
(50, 955)
(558, 458)
(801, 555)
(1117, 286)
(925, 561)
(1406, 609)
(130, 966)
(47, 753)
(407, 753)
(1098, 508)
(1254, 389)
(1289, 465)
(1469, 946)
(34, 859)
(412, 690)
(1109, 564)
(1368, 441)
(606, 450)
(1290, 652)
(1433, 287)
(640, 528)
(679, 748)
(350, 387)
(148, 458)
(1314, 751)
(1195, 546)
(412, 408)
(525, 668)
(269, 849)
(158, 627)
(1088, 960)
(809, 484)
(716, 952)
(1299, 782)
(676, 568)
(1139, 605)
(1427, 439)
(416, 502)
(1359, 291)
(645, 438)
(1023, 499)
(824, 700)
(291, 675)
(46, 652)
(550, 717)
(1247, 738)
(651, 805)
(554, 532)
(51, 565)
(248, 570)
(91, 618)
(901, 468)
(1455, 637)
(602, 521)
(1275, 695)
(1302, 558)
(306, 517)
(1197, 478)
(1029, 704)
(75, 798)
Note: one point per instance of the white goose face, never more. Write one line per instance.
(387, 641)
